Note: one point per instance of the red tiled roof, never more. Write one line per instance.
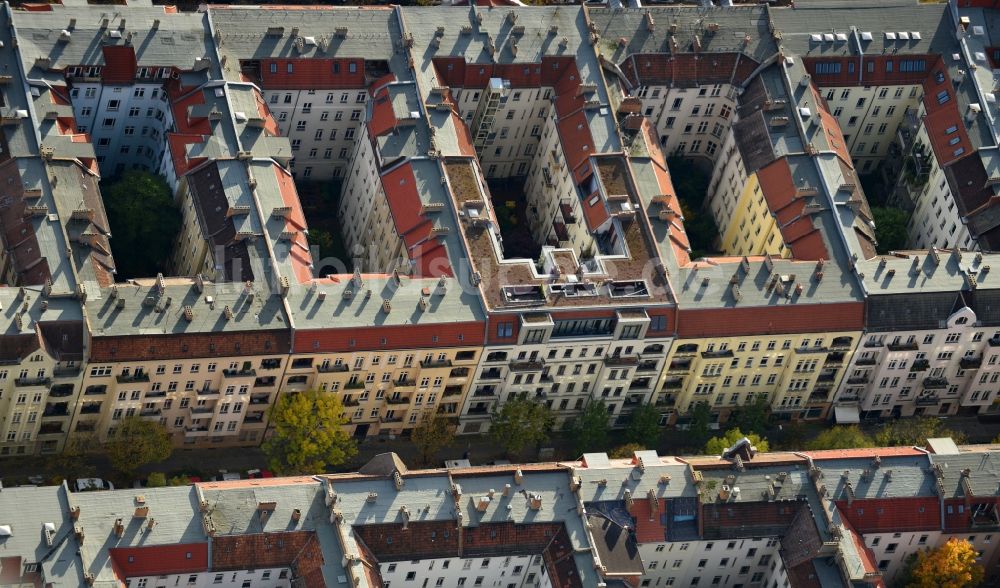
(797, 229)
(383, 117)
(221, 344)
(437, 335)
(157, 560)
(879, 515)
(759, 320)
(400, 186)
(295, 222)
(312, 73)
(119, 64)
(646, 530)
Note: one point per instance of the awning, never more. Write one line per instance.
(846, 414)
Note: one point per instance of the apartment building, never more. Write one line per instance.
(153, 354)
(913, 361)
(823, 518)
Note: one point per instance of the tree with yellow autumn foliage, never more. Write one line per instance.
(952, 565)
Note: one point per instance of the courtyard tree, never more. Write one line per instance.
(717, 445)
(914, 431)
(136, 442)
(841, 437)
(431, 435)
(625, 451)
(144, 223)
(890, 228)
(752, 416)
(590, 430)
(520, 423)
(308, 434)
(644, 426)
(952, 565)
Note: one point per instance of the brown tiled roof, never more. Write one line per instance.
(206, 345)
(297, 549)
(17, 347)
(63, 340)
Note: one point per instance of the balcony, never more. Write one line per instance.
(50, 429)
(245, 373)
(866, 361)
(156, 394)
(484, 393)
(618, 360)
(404, 384)
(350, 402)
(927, 400)
(673, 384)
(874, 343)
(858, 380)
(819, 395)
(201, 410)
(196, 432)
(647, 366)
(679, 367)
(208, 392)
(66, 372)
(479, 410)
(841, 343)
(24, 382)
(452, 391)
(920, 365)
(61, 391)
(904, 346)
(391, 419)
(354, 386)
(716, 354)
(90, 408)
(835, 358)
(150, 412)
(398, 400)
(491, 374)
(254, 418)
(968, 363)
(59, 409)
(666, 400)
(686, 349)
(459, 372)
(132, 378)
(826, 377)
(993, 342)
(332, 368)
(95, 390)
(260, 399)
(526, 366)
(435, 363)
(934, 383)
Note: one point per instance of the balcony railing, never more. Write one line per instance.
(150, 412)
(526, 366)
(250, 373)
(404, 383)
(865, 361)
(196, 431)
(993, 342)
(132, 378)
(920, 365)
(716, 354)
(208, 392)
(968, 363)
(875, 343)
(156, 394)
(858, 380)
(66, 372)
(619, 360)
(354, 386)
(673, 384)
(332, 368)
(398, 400)
(253, 418)
(927, 400)
(646, 366)
(904, 346)
(201, 410)
(435, 363)
(32, 382)
(484, 393)
(935, 383)
(90, 408)
(350, 402)
(391, 419)
(835, 358)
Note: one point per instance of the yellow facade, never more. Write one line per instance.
(752, 230)
(798, 374)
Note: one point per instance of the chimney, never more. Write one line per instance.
(284, 285)
(119, 528)
(483, 503)
(518, 477)
(422, 303)
(150, 523)
(405, 513)
(629, 503)
(188, 313)
(372, 497)
(141, 512)
(386, 305)
(296, 515)
(535, 502)
(78, 532)
(74, 513)
(397, 481)
(228, 313)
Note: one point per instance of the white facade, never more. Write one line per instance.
(323, 127)
(932, 372)
(690, 121)
(869, 117)
(257, 578)
(523, 571)
(513, 140)
(747, 562)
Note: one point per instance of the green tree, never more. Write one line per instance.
(841, 437)
(156, 480)
(322, 239)
(644, 426)
(914, 431)
(951, 565)
(431, 435)
(74, 460)
(308, 434)
(752, 416)
(890, 228)
(181, 480)
(701, 419)
(520, 423)
(590, 431)
(136, 442)
(625, 451)
(144, 223)
(717, 445)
